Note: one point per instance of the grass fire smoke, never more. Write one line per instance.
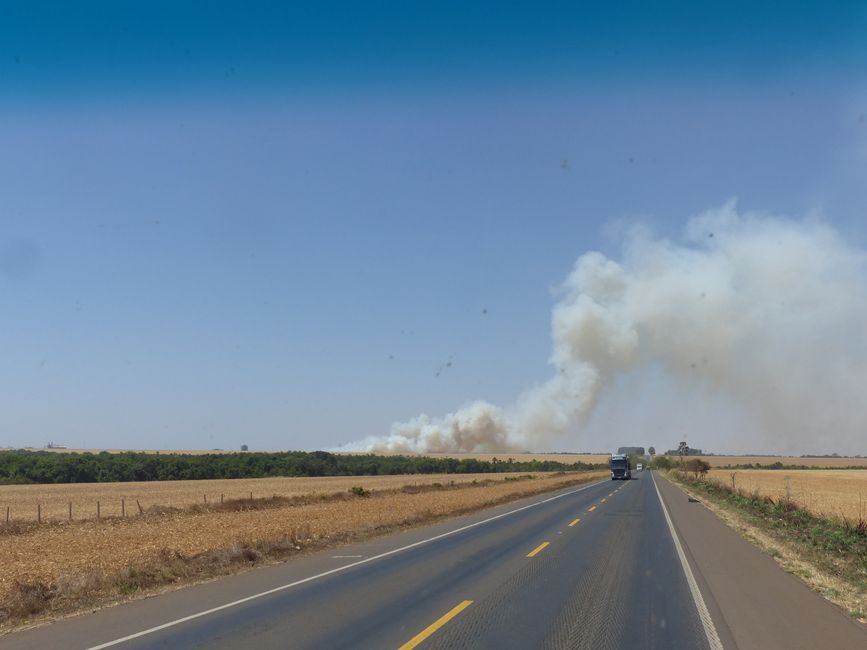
(767, 312)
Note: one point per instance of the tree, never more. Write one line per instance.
(698, 467)
(651, 451)
(682, 450)
(244, 448)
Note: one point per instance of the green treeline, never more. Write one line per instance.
(51, 467)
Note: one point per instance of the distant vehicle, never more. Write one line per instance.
(639, 467)
(620, 467)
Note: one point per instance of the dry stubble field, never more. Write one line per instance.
(826, 492)
(830, 463)
(54, 499)
(70, 554)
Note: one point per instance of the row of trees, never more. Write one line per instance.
(48, 467)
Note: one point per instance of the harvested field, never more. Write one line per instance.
(838, 493)
(54, 499)
(830, 463)
(108, 557)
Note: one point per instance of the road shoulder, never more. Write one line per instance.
(753, 602)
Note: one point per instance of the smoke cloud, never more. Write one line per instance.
(760, 314)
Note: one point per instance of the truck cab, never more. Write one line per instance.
(620, 467)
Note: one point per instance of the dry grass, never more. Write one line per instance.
(55, 499)
(825, 492)
(64, 566)
(830, 463)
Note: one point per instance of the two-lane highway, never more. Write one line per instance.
(600, 566)
(589, 567)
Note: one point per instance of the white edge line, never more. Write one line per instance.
(703, 613)
(241, 601)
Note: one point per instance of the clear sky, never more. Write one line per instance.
(230, 223)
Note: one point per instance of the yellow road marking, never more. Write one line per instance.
(612, 494)
(575, 522)
(538, 549)
(602, 500)
(437, 624)
(591, 509)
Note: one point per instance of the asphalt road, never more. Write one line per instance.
(603, 566)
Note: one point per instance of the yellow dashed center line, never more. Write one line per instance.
(437, 624)
(538, 549)
(602, 500)
(574, 521)
(591, 508)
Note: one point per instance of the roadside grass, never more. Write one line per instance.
(829, 553)
(35, 601)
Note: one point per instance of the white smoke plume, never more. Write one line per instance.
(767, 314)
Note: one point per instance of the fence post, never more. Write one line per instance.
(205, 497)
(97, 510)
(39, 513)
(221, 497)
(70, 511)
(7, 514)
(251, 496)
(140, 511)
(123, 507)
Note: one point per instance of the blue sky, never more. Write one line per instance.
(225, 224)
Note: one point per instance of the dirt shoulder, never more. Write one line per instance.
(62, 568)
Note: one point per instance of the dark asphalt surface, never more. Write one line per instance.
(611, 580)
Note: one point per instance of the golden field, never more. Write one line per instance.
(827, 492)
(54, 499)
(830, 463)
(67, 555)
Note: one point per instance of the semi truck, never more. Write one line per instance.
(620, 467)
